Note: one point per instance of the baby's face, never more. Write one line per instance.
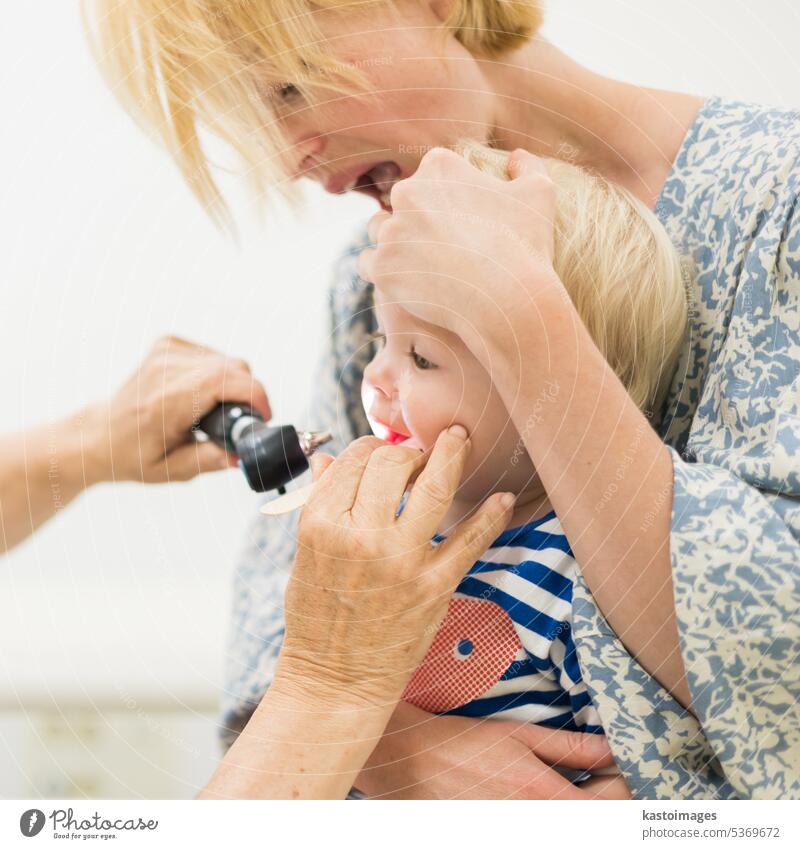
(422, 380)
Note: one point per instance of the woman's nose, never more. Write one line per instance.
(306, 155)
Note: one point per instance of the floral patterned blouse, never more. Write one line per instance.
(732, 424)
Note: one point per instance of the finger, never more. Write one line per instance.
(524, 164)
(178, 346)
(473, 537)
(566, 748)
(337, 488)
(319, 463)
(433, 492)
(234, 385)
(385, 479)
(375, 224)
(364, 264)
(194, 458)
(543, 782)
(607, 787)
(439, 159)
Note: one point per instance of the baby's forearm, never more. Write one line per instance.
(608, 475)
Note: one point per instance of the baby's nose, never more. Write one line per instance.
(381, 401)
(378, 375)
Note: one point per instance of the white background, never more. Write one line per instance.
(122, 601)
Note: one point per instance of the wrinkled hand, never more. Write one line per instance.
(463, 249)
(423, 756)
(143, 432)
(368, 589)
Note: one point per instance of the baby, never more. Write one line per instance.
(505, 647)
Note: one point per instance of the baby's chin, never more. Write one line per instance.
(413, 442)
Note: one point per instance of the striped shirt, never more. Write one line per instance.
(505, 647)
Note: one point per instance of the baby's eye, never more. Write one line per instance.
(420, 362)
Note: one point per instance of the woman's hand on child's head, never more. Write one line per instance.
(464, 249)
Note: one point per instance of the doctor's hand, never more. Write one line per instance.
(368, 589)
(143, 432)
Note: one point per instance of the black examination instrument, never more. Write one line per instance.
(269, 456)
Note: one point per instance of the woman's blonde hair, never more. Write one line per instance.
(621, 271)
(179, 65)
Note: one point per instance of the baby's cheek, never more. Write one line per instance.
(424, 423)
(427, 410)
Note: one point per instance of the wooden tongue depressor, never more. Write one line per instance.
(293, 500)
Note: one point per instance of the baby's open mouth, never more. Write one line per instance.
(383, 430)
(378, 182)
(386, 432)
(390, 435)
(394, 437)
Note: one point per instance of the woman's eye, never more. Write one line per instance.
(287, 91)
(420, 362)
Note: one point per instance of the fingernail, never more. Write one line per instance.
(457, 430)
(507, 500)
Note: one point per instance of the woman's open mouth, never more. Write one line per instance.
(377, 182)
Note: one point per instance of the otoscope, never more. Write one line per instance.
(269, 456)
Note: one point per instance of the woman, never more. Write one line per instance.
(689, 549)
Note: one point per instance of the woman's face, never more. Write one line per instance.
(422, 380)
(431, 92)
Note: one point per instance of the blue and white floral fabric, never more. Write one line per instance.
(733, 426)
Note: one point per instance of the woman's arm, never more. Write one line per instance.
(607, 473)
(142, 433)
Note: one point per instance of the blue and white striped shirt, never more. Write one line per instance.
(505, 646)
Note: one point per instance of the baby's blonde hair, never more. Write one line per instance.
(620, 269)
(181, 65)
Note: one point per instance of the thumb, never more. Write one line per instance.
(319, 463)
(473, 536)
(574, 749)
(187, 461)
(524, 164)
